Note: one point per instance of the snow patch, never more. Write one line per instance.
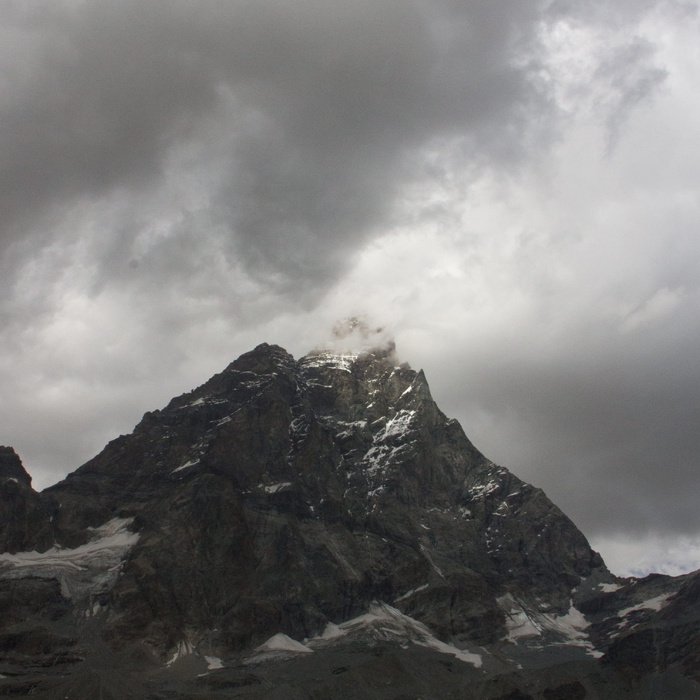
(278, 645)
(198, 402)
(86, 569)
(463, 655)
(561, 630)
(653, 604)
(386, 623)
(94, 610)
(376, 492)
(213, 663)
(274, 488)
(349, 429)
(482, 490)
(426, 554)
(570, 626)
(327, 359)
(382, 455)
(518, 622)
(397, 425)
(411, 592)
(281, 642)
(332, 631)
(189, 463)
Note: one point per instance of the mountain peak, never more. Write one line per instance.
(351, 442)
(285, 498)
(263, 358)
(11, 467)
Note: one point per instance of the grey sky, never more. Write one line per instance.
(510, 187)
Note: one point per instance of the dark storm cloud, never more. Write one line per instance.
(315, 108)
(606, 440)
(96, 109)
(599, 410)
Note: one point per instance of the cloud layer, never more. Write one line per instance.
(509, 188)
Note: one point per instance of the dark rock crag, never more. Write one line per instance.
(24, 518)
(286, 497)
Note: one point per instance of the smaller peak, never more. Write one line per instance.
(268, 349)
(263, 359)
(11, 466)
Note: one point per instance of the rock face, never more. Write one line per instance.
(24, 519)
(282, 499)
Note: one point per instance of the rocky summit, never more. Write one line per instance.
(319, 529)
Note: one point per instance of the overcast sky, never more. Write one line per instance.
(510, 188)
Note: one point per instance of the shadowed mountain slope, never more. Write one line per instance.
(328, 502)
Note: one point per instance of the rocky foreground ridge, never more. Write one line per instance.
(312, 529)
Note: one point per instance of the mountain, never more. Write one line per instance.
(311, 529)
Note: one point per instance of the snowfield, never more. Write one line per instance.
(381, 622)
(84, 570)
